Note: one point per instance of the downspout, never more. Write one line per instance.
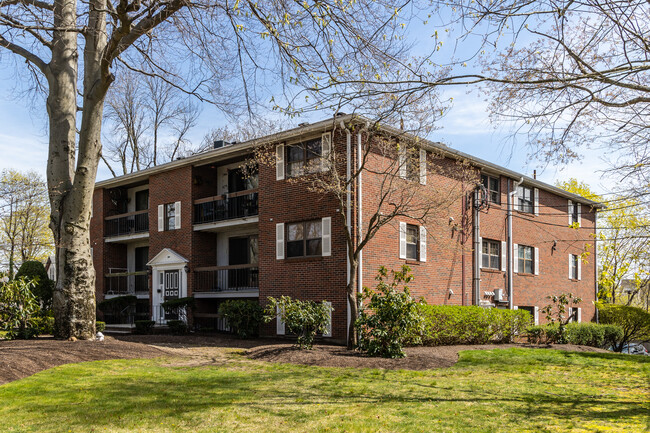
(511, 192)
(596, 263)
(463, 239)
(360, 213)
(348, 215)
(477, 249)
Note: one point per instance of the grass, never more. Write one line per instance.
(487, 391)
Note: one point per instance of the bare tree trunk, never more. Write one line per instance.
(74, 295)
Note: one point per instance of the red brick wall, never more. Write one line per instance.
(170, 187)
(442, 272)
(541, 231)
(316, 278)
(439, 280)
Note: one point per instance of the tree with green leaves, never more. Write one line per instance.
(24, 217)
(623, 245)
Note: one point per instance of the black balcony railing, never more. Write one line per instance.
(127, 283)
(226, 278)
(226, 207)
(128, 224)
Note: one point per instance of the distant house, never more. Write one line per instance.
(198, 227)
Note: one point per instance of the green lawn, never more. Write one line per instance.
(497, 390)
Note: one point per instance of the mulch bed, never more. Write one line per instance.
(417, 358)
(22, 358)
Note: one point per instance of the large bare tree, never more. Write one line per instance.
(148, 122)
(238, 55)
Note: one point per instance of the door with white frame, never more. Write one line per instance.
(172, 284)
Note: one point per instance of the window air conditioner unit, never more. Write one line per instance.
(498, 295)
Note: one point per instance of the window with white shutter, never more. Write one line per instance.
(579, 212)
(515, 255)
(279, 241)
(326, 149)
(536, 199)
(570, 211)
(536, 261)
(579, 268)
(327, 236)
(177, 215)
(161, 218)
(279, 161)
(504, 255)
(328, 326)
(480, 252)
(423, 244)
(279, 323)
(402, 240)
(401, 160)
(423, 167)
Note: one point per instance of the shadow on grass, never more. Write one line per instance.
(113, 395)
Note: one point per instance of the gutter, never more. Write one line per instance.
(214, 155)
(511, 193)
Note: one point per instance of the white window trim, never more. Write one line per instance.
(161, 217)
(423, 244)
(279, 161)
(326, 150)
(177, 215)
(328, 326)
(402, 240)
(279, 241)
(326, 237)
(423, 167)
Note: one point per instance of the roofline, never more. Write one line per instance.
(222, 153)
(239, 148)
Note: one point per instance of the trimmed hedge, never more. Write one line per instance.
(451, 324)
(177, 327)
(585, 334)
(144, 326)
(244, 317)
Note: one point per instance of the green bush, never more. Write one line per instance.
(19, 309)
(44, 325)
(100, 326)
(634, 322)
(612, 334)
(585, 334)
(390, 318)
(116, 304)
(244, 317)
(144, 326)
(177, 327)
(303, 318)
(455, 324)
(43, 286)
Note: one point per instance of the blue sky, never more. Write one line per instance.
(23, 138)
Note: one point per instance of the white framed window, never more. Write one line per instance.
(575, 266)
(491, 254)
(574, 210)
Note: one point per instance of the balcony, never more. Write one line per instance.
(227, 281)
(128, 226)
(226, 210)
(119, 282)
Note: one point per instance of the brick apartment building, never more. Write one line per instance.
(198, 227)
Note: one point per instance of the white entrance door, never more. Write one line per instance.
(171, 290)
